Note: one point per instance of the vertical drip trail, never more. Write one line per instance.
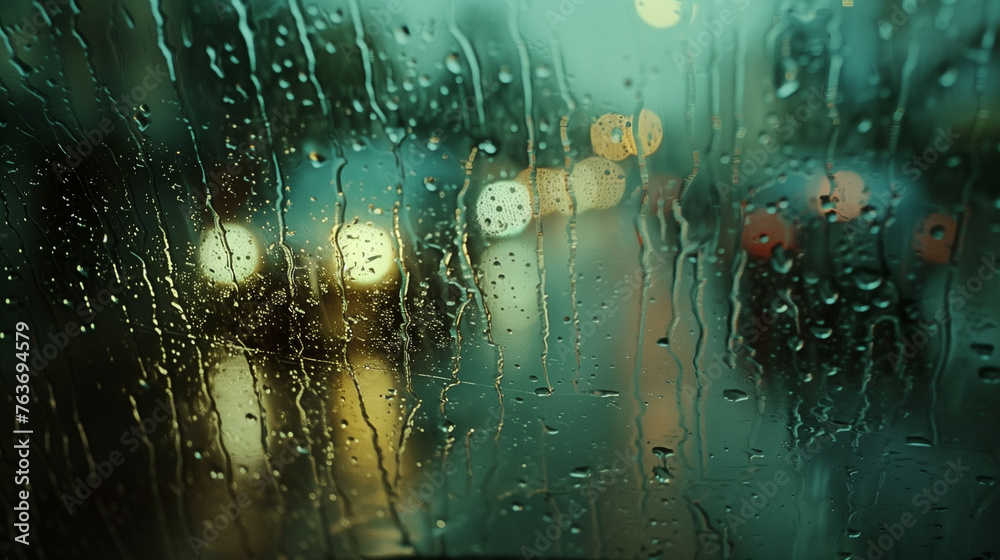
(859, 428)
(348, 336)
(307, 430)
(943, 359)
(390, 492)
(980, 86)
(456, 361)
(563, 124)
(735, 305)
(675, 297)
(475, 290)
(739, 256)
(300, 25)
(279, 203)
(678, 276)
(138, 418)
(404, 331)
(525, 64)
(833, 81)
(169, 390)
(641, 225)
(359, 31)
(897, 117)
(560, 70)
(257, 380)
(226, 458)
(339, 218)
(470, 55)
(175, 303)
(692, 503)
(168, 56)
(698, 306)
(74, 407)
(346, 509)
(460, 225)
(404, 327)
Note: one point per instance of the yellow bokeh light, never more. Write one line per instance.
(611, 136)
(659, 13)
(367, 255)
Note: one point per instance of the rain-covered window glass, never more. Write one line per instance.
(308, 279)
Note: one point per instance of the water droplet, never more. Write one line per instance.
(984, 351)
(402, 35)
(663, 452)
(453, 63)
(949, 78)
(990, 375)
(821, 333)
(317, 159)
(867, 279)
(662, 474)
(787, 89)
(734, 395)
(781, 260)
(580, 472)
(488, 146)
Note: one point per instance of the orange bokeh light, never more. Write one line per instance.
(763, 231)
(933, 238)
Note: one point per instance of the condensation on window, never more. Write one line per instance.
(555, 279)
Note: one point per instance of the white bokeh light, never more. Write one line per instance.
(229, 257)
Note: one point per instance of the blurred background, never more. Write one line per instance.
(536, 279)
